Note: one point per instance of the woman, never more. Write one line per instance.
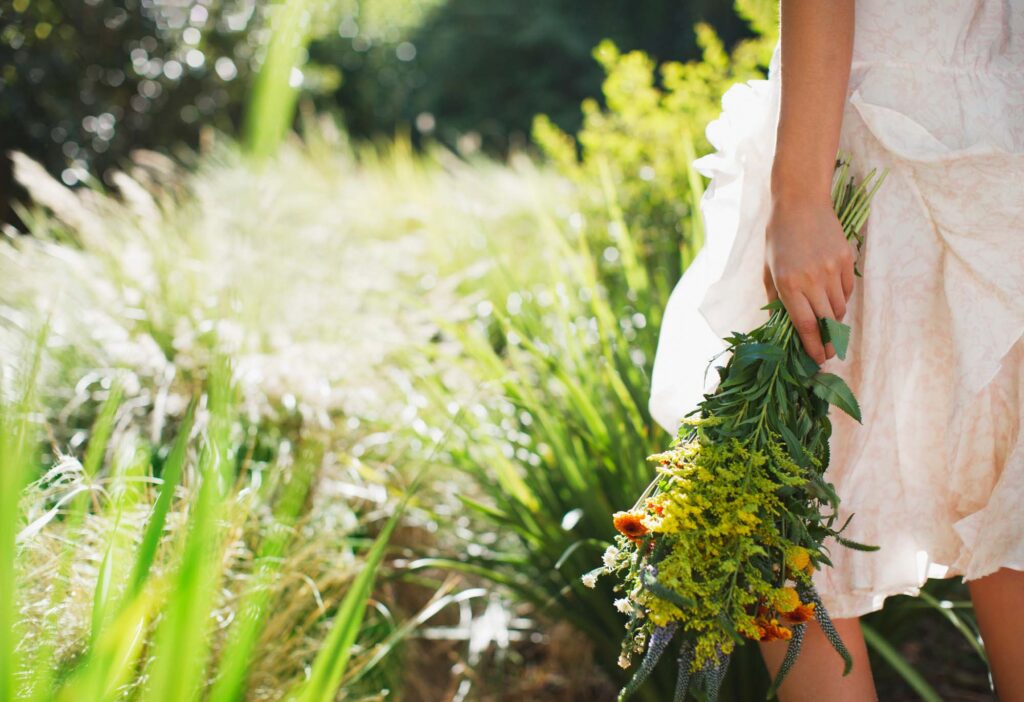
(933, 90)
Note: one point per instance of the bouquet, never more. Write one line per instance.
(720, 547)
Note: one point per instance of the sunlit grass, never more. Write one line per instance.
(133, 579)
(187, 526)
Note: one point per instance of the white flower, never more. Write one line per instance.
(611, 554)
(623, 661)
(590, 579)
(624, 606)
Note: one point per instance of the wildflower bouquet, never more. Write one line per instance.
(721, 546)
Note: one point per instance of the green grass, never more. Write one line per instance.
(148, 629)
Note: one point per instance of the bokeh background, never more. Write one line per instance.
(326, 330)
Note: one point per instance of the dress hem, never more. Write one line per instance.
(878, 597)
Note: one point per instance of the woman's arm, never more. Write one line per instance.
(808, 261)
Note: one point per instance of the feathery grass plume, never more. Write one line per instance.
(723, 542)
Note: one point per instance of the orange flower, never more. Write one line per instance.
(803, 613)
(629, 523)
(784, 633)
(655, 507)
(770, 630)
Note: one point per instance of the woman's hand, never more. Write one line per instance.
(809, 266)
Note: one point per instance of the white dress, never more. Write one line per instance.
(935, 474)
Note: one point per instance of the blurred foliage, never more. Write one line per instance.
(146, 288)
(641, 144)
(85, 82)
(487, 67)
(270, 110)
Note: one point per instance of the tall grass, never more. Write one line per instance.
(159, 622)
(198, 537)
(559, 431)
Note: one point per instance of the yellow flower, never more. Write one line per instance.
(798, 558)
(661, 612)
(786, 599)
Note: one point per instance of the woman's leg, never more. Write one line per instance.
(999, 607)
(818, 672)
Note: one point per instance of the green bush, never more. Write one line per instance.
(489, 66)
(632, 157)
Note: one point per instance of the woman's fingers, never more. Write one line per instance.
(836, 298)
(805, 321)
(769, 284)
(846, 278)
(822, 305)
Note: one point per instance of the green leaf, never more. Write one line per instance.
(845, 524)
(897, 662)
(796, 450)
(729, 628)
(834, 390)
(659, 590)
(486, 510)
(172, 471)
(748, 353)
(961, 625)
(805, 366)
(836, 332)
(856, 545)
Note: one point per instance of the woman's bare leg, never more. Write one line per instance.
(818, 672)
(999, 607)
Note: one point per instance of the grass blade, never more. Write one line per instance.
(15, 472)
(332, 660)
(171, 476)
(898, 663)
